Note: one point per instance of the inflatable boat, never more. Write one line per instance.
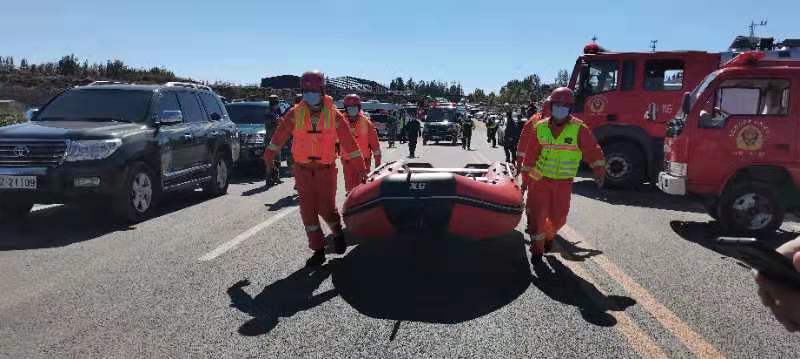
(477, 201)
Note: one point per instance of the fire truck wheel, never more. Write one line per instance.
(625, 167)
(750, 208)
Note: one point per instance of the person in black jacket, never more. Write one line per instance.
(412, 130)
(511, 137)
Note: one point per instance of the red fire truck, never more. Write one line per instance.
(735, 144)
(626, 98)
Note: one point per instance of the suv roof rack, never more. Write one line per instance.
(188, 85)
(105, 82)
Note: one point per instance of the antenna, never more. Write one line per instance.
(653, 45)
(594, 38)
(753, 26)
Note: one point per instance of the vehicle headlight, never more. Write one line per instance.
(87, 150)
(678, 169)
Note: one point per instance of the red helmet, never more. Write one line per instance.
(313, 81)
(562, 96)
(352, 100)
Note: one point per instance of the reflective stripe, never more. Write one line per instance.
(535, 174)
(561, 147)
(598, 163)
(376, 152)
(526, 168)
(273, 147)
(539, 237)
(313, 228)
(520, 154)
(354, 154)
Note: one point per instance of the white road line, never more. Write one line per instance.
(246, 235)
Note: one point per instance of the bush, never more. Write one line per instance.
(11, 118)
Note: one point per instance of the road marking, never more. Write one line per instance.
(246, 235)
(644, 345)
(691, 339)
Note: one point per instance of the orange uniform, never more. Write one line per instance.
(548, 199)
(367, 139)
(315, 135)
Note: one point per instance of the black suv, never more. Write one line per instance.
(441, 124)
(122, 144)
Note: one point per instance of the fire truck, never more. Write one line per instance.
(628, 97)
(734, 144)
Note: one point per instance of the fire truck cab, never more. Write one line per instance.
(734, 144)
(626, 98)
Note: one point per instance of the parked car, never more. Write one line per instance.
(441, 124)
(124, 145)
(250, 118)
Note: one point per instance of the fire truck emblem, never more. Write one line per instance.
(750, 138)
(597, 104)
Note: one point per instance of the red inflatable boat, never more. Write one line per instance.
(478, 201)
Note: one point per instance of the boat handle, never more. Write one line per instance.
(408, 170)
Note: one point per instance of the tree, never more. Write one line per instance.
(562, 79)
(23, 64)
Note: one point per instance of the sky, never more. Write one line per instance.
(481, 44)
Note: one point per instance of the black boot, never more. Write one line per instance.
(317, 259)
(339, 244)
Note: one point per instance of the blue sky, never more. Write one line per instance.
(479, 43)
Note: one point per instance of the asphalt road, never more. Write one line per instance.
(225, 278)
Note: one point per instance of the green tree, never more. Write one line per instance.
(562, 78)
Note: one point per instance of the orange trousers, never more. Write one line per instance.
(317, 189)
(351, 179)
(547, 209)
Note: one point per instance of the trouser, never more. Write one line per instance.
(510, 149)
(351, 178)
(412, 146)
(492, 133)
(467, 140)
(547, 209)
(391, 136)
(317, 190)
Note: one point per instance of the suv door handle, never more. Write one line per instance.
(214, 133)
(188, 137)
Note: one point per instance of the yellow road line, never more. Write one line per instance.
(691, 339)
(642, 343)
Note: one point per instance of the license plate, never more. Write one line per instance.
(17, 182)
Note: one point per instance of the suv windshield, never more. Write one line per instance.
(247, 114)
(98, 105)
(440, 115)
(379, 117)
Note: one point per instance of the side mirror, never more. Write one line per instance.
(215, 117)
(169, 117)
(31, 113)
(686, 104)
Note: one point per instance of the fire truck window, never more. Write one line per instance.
(628, 75)
(663, 75)
(602, 77)
(766, 97)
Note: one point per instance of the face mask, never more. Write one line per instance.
(312, 98)
(352, 111)
(560, 112)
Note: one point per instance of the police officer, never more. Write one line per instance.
(467, 125)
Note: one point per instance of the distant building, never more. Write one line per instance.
(335, 85)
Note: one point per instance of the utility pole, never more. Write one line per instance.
(653, 45)
(753, 26)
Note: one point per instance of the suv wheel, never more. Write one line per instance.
(12, 209)
(139, 193)
(625, 165)
(220, 177)
(750, 208)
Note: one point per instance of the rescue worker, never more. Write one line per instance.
(467, 126)
(559, 143)
(413, 131)
(526, 137)
(491, 132)
(315, 127)
(366, 137)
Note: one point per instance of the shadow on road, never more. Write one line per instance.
(561, 284)
(64, 225)
(703, 233)
(281, 299)
(288, 201)
(572, 252)
(251, 174)
(646, 196)
(432, 279)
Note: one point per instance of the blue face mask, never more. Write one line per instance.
(312, 98)
(560, 112)
(352, 111)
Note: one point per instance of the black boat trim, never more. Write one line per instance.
(478, 203)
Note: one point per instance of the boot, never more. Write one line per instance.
(317, 259)
(339, 244)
